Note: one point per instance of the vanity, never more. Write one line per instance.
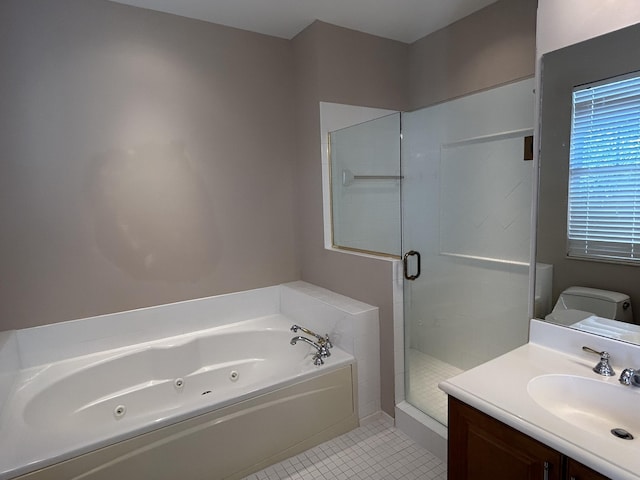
(488, 448)
(540, 411)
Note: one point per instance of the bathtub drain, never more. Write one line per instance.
(119, 411)
(178, 383)
(234, 375)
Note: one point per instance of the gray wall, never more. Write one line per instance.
(334, 64)
(146, 158)
(493, 46)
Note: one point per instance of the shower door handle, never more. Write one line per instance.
(405, 263)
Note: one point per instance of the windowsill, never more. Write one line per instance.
(613, 261)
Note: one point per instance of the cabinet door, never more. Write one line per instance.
(577, 471)
(482, 448)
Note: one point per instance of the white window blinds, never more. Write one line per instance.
(604, 171)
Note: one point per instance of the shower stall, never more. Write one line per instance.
(456, 180)
(466, 211)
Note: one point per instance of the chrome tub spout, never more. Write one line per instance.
(322, 351)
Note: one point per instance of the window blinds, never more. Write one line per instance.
(604, 171)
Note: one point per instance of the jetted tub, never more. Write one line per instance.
(215, 403)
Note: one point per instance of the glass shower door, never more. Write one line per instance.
(466, 198)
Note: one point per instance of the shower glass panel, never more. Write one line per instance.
(466, 208)
(365, 186)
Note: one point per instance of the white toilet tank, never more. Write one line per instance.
(578, 303)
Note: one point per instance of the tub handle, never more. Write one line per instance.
(321, 340)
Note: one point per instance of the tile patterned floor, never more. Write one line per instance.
(374, 451)
(425, 372)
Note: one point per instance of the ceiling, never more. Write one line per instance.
(403, 20)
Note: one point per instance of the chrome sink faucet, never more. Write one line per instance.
(322, 351)
(321, 340)
(630, 376)
(603, 367)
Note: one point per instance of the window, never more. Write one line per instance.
(604, 171)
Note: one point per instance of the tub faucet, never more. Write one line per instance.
(321, 340)
(322, 351)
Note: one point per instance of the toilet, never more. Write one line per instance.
(576, 304)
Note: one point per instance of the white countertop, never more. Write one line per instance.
(499, 389)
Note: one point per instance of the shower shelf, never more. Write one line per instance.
(348, 177)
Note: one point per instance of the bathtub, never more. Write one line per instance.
(216, 403)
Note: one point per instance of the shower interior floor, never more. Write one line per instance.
(374, 451)
(425, 372)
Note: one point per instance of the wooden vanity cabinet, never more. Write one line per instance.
(577, 471)
(483, 448)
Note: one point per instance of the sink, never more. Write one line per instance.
(594, 405)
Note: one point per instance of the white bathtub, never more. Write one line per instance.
(61, 410)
